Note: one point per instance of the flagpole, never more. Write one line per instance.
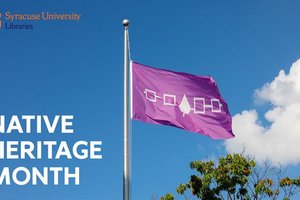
(126, 173)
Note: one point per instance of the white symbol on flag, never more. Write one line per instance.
(184, 106)
(199, 105)
(151, 95)
(169, 100)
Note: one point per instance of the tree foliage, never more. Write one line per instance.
(236, 177)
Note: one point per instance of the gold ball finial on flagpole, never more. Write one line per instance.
(125, 22)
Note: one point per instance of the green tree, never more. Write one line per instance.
(236, 177)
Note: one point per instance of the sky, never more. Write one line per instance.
(76, 68)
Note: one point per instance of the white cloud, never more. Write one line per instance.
(280, 141)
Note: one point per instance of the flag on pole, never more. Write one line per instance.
(178, 99)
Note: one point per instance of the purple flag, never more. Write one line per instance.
(179, 99)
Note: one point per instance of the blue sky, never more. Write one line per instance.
(77, 68)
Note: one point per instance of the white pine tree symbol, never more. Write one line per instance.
(184, 106)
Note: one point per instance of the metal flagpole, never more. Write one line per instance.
(126, 175)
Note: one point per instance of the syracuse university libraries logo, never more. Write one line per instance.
(16, 21)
